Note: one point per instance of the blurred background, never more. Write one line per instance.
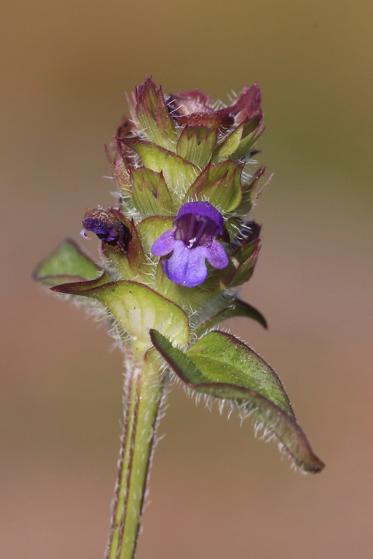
(215, 490)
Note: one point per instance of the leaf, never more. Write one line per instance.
(179, 174)
(137, 308)
(223, 358)
(221, 366)
(196, 145)
(218, 184)
(235, 308)
(150, 193)
(67, 263)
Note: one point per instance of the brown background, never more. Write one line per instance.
(216, 492)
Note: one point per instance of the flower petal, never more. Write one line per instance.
(217, 256)
(164, 244)
(203, 209)
(186, 266)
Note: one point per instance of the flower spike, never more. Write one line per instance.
(172, 254)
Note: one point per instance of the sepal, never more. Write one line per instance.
(150, 193)
(229, 145)
(244, 150)
(238, 144)
(179, 174)
(121, 156)
(249, 189)
(153, 115)
(196, 144)
(218, 184)
(244, 257)
(221, 366)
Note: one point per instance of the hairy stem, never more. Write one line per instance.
(142, 396)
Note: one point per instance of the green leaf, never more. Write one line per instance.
(196, 145)
(223, 358)
(235, 307)
(67, 263)
(179, 174)
(151, 228)
(221, 366)
(150, 193)
(218, 184)
(138, 308)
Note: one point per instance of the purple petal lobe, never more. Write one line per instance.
(217, 256)
(186, 266)
(203, 209)
(164, 244)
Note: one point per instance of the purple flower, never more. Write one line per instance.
(191, 243)
(108, 227)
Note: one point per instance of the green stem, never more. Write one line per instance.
(142, 396)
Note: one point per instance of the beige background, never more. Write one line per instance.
(216, 492)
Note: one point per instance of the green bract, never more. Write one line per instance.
(176, 153)
(220, 185)
(179, 173)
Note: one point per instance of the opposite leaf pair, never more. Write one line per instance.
(217, 365)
